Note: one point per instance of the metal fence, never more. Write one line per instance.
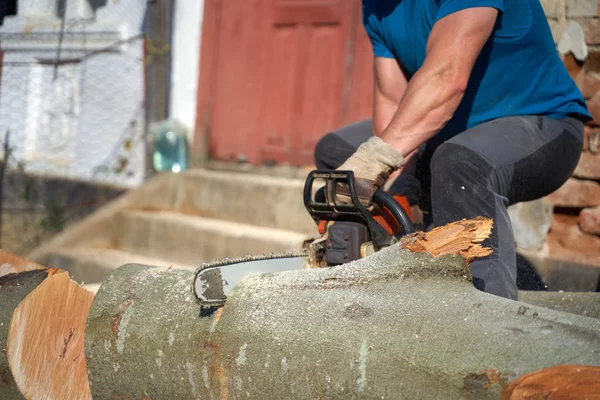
(72, 137)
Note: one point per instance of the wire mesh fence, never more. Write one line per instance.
(72, 134)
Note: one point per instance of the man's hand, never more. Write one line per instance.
(372, 164)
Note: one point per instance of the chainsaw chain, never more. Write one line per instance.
(255, 257)
(239, 260)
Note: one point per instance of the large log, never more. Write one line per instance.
(582, 303)
(396, 324)
(13, 289)
(45, 345)
(13, 264)
(144, 326)
(42, 321)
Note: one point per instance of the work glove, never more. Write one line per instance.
(372, 164)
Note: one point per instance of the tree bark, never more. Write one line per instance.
(144, 337)
(581, 303)
(396, 324)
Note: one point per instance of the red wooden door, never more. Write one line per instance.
(276, 75)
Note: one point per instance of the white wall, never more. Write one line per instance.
(83, 119)
(185, 62)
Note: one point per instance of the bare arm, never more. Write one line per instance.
(390, 84)
(437, 88)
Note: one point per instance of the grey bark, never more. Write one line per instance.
(13, 289)
(581, 303)
(394, 325)
(144, 337)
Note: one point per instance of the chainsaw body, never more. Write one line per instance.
(351, 231)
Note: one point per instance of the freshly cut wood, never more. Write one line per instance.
(397, 323)
(462, 237)
(14, 287)
(45, 346)
(564, 382)
(42, 320)
(12, 264)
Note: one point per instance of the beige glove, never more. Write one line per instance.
(372, 164)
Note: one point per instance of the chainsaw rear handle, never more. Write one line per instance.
(323, 205)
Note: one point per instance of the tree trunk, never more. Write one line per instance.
(581, 303)
(12, 264)
(42, 321)
(396, 324)
(13, 289)
(144, 337)
(45, 340)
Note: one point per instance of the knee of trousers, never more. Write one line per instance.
(453, 166)
(331, 151)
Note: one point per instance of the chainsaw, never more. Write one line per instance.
(348, 232)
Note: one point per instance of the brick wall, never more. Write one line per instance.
(562, 231)
(580, 197)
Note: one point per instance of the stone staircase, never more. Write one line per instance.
(183, 220)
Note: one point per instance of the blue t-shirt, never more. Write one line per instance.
(518, 72)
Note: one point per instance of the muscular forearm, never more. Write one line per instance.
(384, 111)
(429, 102)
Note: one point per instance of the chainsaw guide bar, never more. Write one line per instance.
(210, 285)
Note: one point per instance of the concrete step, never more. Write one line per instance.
(191, 240)
(251, 199)
(90, 266)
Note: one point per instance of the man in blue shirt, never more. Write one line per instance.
(480, 85)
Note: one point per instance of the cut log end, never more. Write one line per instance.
(462, 237)
(45, 346)
(12, 264)
(560, 382)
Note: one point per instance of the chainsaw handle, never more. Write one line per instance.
(384, 199)
(329, 209)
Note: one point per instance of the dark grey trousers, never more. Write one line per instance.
(482, 171)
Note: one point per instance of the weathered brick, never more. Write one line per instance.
(554, 8)
(573, 66)
(582, 8)
(589, 166)
(557, 27)
(591, 139)
(592, 142)
(567, 241)
(577, 193)
(592, 62)
(593, 106)
(531, 222)
(589, 220)
(588, 83)
(587, 131)
(591, 30)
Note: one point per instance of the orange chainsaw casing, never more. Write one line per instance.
(382, 216)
